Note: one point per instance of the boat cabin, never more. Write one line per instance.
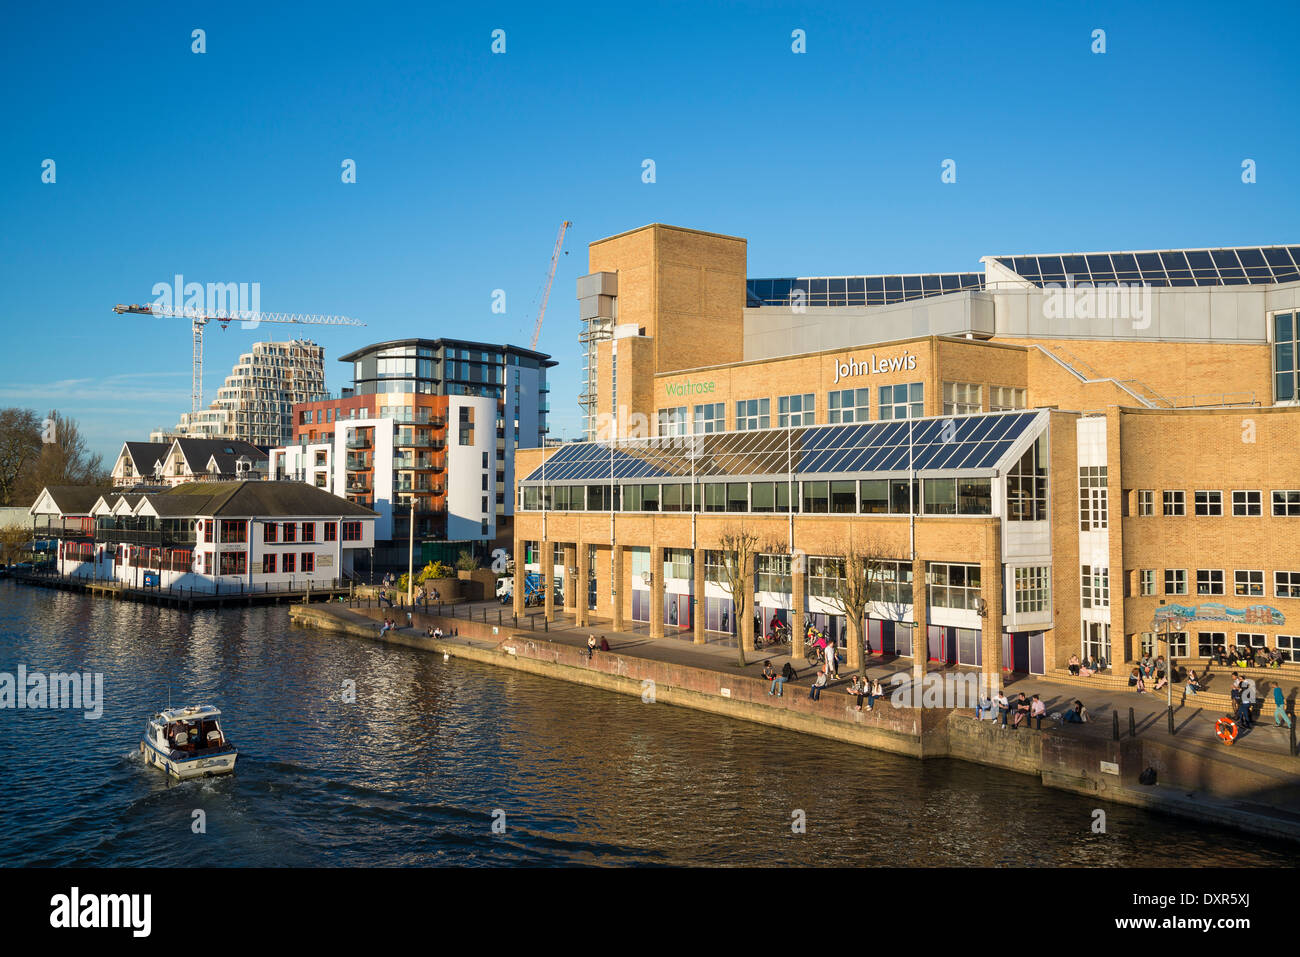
(193, 730)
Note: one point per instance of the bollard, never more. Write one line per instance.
(1132, 727)
(498, 617)
(1115, 715)
(1171, 721)
(546, 624)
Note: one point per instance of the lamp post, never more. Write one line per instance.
(1169, 664)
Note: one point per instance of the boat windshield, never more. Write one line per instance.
(195, 735)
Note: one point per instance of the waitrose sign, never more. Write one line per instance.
(852, 367)
(688, 388)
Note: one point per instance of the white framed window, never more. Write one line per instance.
(1033, 589)
(1249, 639)
(1094, 583)
(1289, 645)
(793, 411)
(754, 414)
(903, 401)
(1286, 502)
(1248, 582)
(1146, 501)
(710, 417)
(962, 398)
(848, 405)
(1209, 581)
(678, 563)
(672, 421)
(1004, 398)
(1286, 584)
(1146, 581)
(1093, 509)
(954, 585)
(824, 576)
(1208, 641)
(1209, 502)
(1175, 581)
(1175, 502)
(774, 573)
(1247, 503)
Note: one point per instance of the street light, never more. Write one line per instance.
(1177, 621)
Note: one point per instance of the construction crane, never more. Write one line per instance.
(550, 276)
(198, 320)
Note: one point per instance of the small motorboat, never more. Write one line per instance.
(188, 743)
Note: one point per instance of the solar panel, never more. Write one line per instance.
(858, 290)
(1170, 267)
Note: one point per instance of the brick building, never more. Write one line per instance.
(1122, 428)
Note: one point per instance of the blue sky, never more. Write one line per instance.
(225, 166)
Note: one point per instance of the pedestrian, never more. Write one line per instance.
(788, 673)
(604, 643)
(815, 692)
(772, 677)
(855, 688)
(591, 646)
(1036, 711)
(1022, 711)
(876, 692)
(1279, 708)
(1000, 699)
(1248, 699)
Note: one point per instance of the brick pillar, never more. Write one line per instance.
(548, 577)
(697, 590)
(920, 634)
(991, 592)
(656, 591)
(582, 612)
(517, 599)
(570, 577)
(617, 588)
(798, 626)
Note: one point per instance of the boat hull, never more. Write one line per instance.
(184, 769)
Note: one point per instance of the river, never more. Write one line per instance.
(431, 754)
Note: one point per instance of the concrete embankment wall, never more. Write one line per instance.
(1081, 764)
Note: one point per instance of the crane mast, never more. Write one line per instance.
(550, 276)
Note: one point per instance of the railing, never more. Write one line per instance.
(358, 443)
(414, 443)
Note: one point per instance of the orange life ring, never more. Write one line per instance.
(1226, 729)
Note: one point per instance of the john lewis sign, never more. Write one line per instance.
(852, 367)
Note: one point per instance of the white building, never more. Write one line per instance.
(187, 460)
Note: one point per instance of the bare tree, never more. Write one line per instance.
(63, 460)
(860, 565)
(14, 540)
(20, 446)
(739, 548)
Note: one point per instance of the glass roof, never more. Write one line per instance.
(859, 290)
(1173, 267)
(947, 443)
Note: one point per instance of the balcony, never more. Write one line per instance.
(358, 443)
(407, 442)
(359, 488)
(357, 464)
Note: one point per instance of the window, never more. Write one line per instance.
(289, 532)
(769, 497)
(795, 410)
(1250, 640)
(1147, 581)
(1177, 644)
(753, 414)
(975, 496)
(710, 417)
(465, 425)
(1096, 640)
(1209, 503)
(1146, 502)
(902, 401)
(233, 531)
(714, 495)
(351, 531)
(774, 573)
(939, 496)
(677, 563)
(1004, 398)
(816, 497)
(843, 496)
(268, 564)
(848, 405)
(1207, 641)
(309, 531)
(824, 576)
(737, 496)
(289, 564)
(1033, 589)
(1248, 583)
(1094, 583)
(904, 496)
(1174, 503)
(1286, 584)
(715, 567)
(1175, 581)
(1286, 348)
(1286, 502)
(1209, 581)
(892, 584)
(1246, 503)
(672, 421)
(954, 586)
(308, 562)
(234, 563)
(674, 498)
(639, 562)
(1289, 645)
(1027, 485)
(270, 532)
(873, 496)
(1093, 508)
(961, 398)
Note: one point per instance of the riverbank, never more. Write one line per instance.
(1258, 794)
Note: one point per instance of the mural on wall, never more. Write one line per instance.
(1213, 611)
